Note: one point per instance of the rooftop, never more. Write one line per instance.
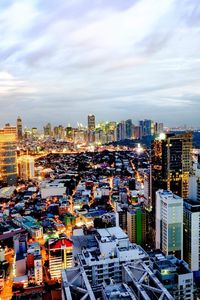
(60, 243)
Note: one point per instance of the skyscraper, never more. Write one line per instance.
(91, 128)
(47, 130)
(8, 163)
(191, 227)
(169, 223)
(129, 128)
(194, 183)
(171, 164)
(146, 128)
(69, 133)
(91, 122)
(19, 128)
(121, 131)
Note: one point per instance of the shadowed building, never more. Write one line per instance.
(8, 163)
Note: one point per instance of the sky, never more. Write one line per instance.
(118, 59)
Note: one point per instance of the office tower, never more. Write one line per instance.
(121, 131)
(129, 128)
(69, 133)
(91, 128)
(19, 129)
(8, 163)
(136, 225)
(146, 128)
(60, 256)
(194, 183)
(91, 122)
(191, 229)
(47, 130)
(25, 166)
(169, 223)
(171, 160)
(136, 132)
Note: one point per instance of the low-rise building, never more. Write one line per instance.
(31, 225)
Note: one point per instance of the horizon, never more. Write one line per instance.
(126, 59)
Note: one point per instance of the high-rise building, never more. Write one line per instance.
(121, 131)
(136, 132)
(25, 166)
(69, 133)
(169, 223)
(136, 225)
(194, 183)
(19, 128)
(60, 256)
(129, 128)
(147, 190)
(91, 122)
(171, 164)
(146, 128)
(191, 229)
(47, 130)
(8, 162)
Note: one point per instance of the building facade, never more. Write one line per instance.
(191, 238)
(169, 223)
(136, 225)
(171, 164)
(25, 166)
(8, 159)
(60, 256)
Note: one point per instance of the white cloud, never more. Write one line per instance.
(98, 51)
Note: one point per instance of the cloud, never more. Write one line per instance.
(115, 58)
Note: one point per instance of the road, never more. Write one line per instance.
(6, 293)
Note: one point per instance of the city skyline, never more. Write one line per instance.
(58, 63)
(98, 122)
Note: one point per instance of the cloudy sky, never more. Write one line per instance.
(118, 59)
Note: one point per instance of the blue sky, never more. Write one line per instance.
(118, 59)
